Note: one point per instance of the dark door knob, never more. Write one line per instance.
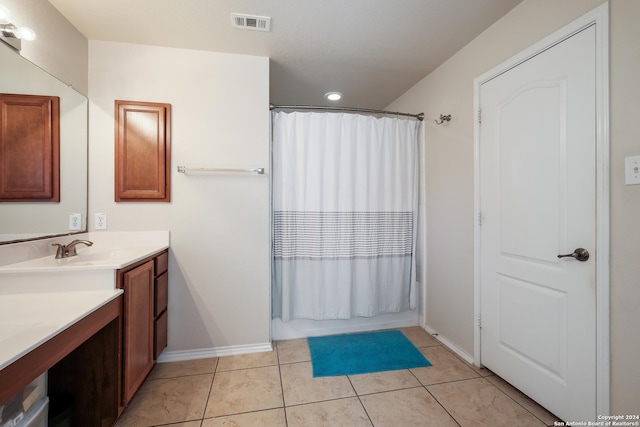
(580, 254)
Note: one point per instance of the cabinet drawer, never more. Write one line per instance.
(161, 293)
(160, 334)
(161, 263)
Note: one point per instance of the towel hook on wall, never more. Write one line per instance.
(443, 119)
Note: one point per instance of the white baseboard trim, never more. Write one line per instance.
(204, 353)
(451, 346)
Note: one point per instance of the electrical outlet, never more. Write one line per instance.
(101, 221)
(75, 221)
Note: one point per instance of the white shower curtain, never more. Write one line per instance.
(345, 215)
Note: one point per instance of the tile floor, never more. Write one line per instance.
(276, 389)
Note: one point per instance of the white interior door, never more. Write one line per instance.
(537, 157)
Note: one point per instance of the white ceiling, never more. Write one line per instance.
(370, 50)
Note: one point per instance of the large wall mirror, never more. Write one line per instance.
(25, 221)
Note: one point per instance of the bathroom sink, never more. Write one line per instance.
(104, 257)
(87, 258)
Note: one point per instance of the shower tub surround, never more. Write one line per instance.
(44, 300)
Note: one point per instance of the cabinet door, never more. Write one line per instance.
(138, 327)
(143, 152)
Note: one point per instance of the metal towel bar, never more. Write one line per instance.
(184, 169)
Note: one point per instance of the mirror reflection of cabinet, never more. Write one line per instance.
(29, 148)
(25, 220)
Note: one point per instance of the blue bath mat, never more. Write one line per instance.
(365, 353)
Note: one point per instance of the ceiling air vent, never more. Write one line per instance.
(251, 22)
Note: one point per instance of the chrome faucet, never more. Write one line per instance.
(66, 251)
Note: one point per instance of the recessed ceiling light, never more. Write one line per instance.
(333, 96)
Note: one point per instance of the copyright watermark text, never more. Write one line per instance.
(604, 421)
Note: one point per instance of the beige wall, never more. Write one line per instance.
(59, 47)
(449, 175)
(625, 207)
(220, 245)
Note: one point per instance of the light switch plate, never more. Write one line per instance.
(632, 170)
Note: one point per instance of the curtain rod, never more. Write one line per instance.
(419, 116)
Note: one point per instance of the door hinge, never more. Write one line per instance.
(480, 219)
(479, 322)
(479, 116)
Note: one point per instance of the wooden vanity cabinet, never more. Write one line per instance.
(83, 361)
(144, 326)
(161, 299)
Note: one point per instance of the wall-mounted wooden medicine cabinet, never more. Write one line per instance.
(29, 148)
(143, 151)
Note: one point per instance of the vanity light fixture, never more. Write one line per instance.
(12, 34)
(22, 33)
(333, 96)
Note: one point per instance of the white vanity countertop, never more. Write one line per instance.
(28, 320)
(41, 296)
(110, 251)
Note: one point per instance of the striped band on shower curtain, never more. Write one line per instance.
(345, 210)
